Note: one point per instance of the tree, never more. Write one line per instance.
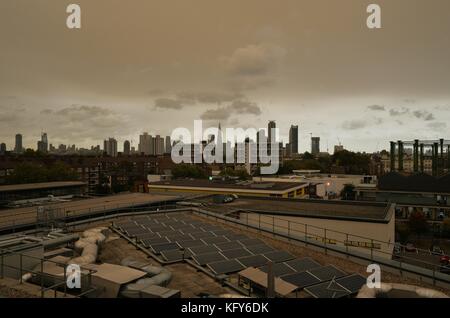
(34, 173)
(403, 232)
(188, 171)
(418, 223)
(446, 228)
(348, 192)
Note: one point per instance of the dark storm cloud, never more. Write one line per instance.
(376, 108)
(221, 113)
(209, 97)
(354, 124)
(254, 60)
(81, 112)
(427, 116)
(239, 107)
(245, 107)
(169, 103)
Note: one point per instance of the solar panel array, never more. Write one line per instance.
(177, 236)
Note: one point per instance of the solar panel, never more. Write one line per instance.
(158, 248)
(326, 273)
(279, 269)
(204, 259)
(210, 227)
(203, 249)
(352, 283)
(301, 280)
(200, 235)
(215, 240)
(260, 249)
(175, 255)
(190, 243)
(149, 242)
(303, 264)
(147, 235)
(236, 237)
(183, 227)
(327, 290)
(279, 256)
(253, 260)
(157, 228)
(250, 242)
(196, 223)
(228, 246)
(178, 238)
(225, 267)
(236, 253)
(189, 230)
(168, 233)
(222, 232)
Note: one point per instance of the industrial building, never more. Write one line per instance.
(195, 247)
(24, 193)
(435, 151)
(263, 189)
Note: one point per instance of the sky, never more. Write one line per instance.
(155, 65)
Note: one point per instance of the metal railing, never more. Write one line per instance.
(326, 240)
(38, 273)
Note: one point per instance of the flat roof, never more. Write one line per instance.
(42, 185)
(27, 215)
(243, 185)
(330, 209)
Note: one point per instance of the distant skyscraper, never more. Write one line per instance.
(159, 145)
(126, 148)
(271, 136)
(18, 148)
(271, 130)
(2, 148)
(110, 147)
(145, 144)
(315, 145)
(293, 139)
(168, 145)
(42, 145)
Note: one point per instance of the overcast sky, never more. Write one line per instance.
(154, 65)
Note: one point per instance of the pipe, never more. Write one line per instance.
(160, 276)
(88, 244)
(386, 289)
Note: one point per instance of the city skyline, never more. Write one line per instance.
(292, 61)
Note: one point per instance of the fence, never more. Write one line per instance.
(46, 281)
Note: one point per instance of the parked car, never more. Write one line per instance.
(436, 250)
(410, 247)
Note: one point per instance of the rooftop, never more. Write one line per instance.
(420, 182)
(219, 184)
(42, 185)
(357, 211)
(78, 207)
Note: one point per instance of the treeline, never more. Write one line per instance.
(35, 173)
(349, 162)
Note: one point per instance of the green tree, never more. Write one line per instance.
(446, 228)
(418, 223)
(188, 171)
(403, 232)
(348, 192)
(34, 173)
